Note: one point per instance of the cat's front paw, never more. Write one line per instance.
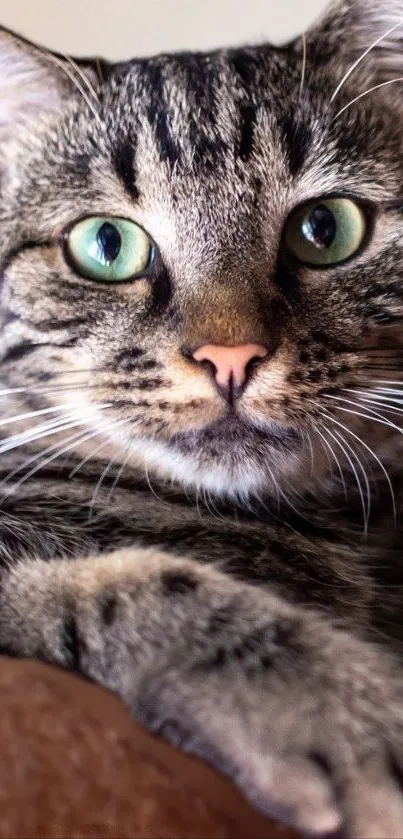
(306, 719)
(313, 737)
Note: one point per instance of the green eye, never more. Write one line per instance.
(109, 249)
(325, 232)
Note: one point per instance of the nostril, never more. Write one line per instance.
(254, 362)
(190, 354)
(209, 365)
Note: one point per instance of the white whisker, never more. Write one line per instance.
(369, 415)
(43, 453)
(345, 447)
(389, 391)
(34, 434)
(70, 75)
(84, 78)
(329, 448)
(54, 389)
(88, 457)
(74, 441)
(32, 414)
(363, 56)
(119, 474)
(303, 70)
(389, 382)
(376, 396)
(366, 93)
(98, 487)
(147, 477)
(37, 432)
(387, 404)
(371, 452)
(306, 435)
(109, 465)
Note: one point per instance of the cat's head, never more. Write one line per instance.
(202, 254)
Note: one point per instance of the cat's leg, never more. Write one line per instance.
(304, 717)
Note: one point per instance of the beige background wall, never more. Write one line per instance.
(124, 28)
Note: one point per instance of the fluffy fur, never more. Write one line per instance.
(283, 659)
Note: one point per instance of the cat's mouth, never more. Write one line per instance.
(232, 456)
(235, 431)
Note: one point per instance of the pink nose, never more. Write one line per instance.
(230, 366)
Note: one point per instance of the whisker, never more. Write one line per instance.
(147, 477)
(372, 453)
(391, 404)
(70, 75)
(32, 414)
(366, 93)
(345, 447)
(84, 78)
(119, 474)
(363, 56)
(34, 434)
(98, 487)
(107, 468)
(377, 394)
(280, 493)
(74, 441)
(388, 404)
(38, 432)
(99, 70)
(389, 382)
(38, 391)
(371, 414)
(386, 409)
(88, 457)
(41, 454)
(306, 435)
(336, 459)
(303, 70)
(390, 390)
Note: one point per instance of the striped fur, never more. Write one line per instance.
(117, 451)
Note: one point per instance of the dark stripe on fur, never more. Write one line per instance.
(158, 114)
(19, 351)
(123, 157)
(127, 360)
(245, 66)
(297, 141)
(248, 119)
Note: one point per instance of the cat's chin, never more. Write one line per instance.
(230, 458)
(232, 430)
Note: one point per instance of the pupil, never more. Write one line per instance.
(321, 227)
(109, 243)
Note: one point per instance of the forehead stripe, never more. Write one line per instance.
(297, 139)
(123, 161)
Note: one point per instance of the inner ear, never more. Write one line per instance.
(34, 81)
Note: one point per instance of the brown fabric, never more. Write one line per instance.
(73, 764)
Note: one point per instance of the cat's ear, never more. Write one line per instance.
(29, 83)
(34, 81)
(371, 29)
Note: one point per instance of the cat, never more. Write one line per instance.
(201, 387)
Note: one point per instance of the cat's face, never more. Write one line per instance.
(216, 364)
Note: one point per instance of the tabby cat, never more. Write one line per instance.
(202, 389)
